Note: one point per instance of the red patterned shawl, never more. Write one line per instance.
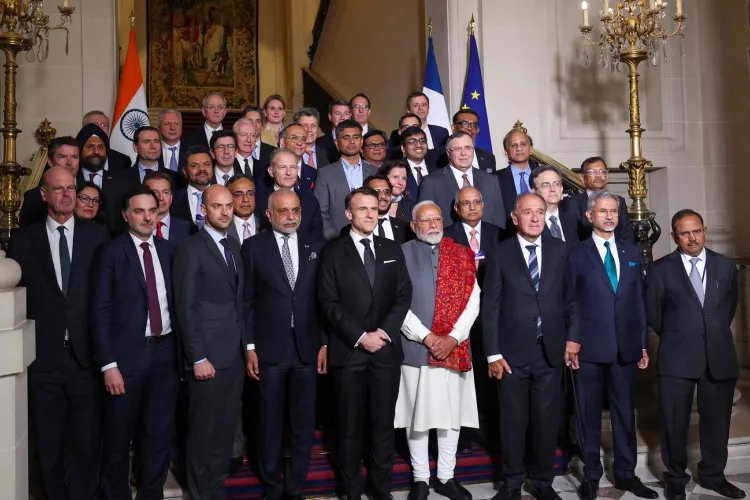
(455, 282)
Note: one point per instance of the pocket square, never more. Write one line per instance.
(632, 264)
(388, 261)
(313, 256)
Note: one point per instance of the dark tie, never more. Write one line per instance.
(419, 174)
(369, 261)
(466, 181)
(534, 272)
(381, 229)
(554, 227)
(64, 260)
(154, 311)
(92, 177)
(247, 168)
(230, 259)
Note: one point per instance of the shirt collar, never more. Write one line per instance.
(599, 241)
(414, 165)
(215, 235)
(280, 236)
(524, 243)
(686, 258)
(52, 224)
(239, 221)
(468, 228)
(191, 191)
(143, 168)
(210, 130)
(167, 219)
(241, 159)
(517, 170)
(164, 145)
(460, 174)
(137, 241)
(347, 164)
(357, 238)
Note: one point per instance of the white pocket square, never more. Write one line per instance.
(389, 261)
(313, 256)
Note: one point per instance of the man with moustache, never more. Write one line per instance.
(364, 293)
(293, 138)
(223, 151)
(691, 299)
(169, 123)
(115, 160)
(388, 227)
(309, 118)
(55, 256)
(414, 149)
(173, 229)
(198, 170)
(244, 221)
(61, 152)
(245, 134)
(93, 144)
(514, 179)
(286, 346)
(611, 340)
(546, 181)
(208, 300)
(437, 380)
(465, 120)
(262, 151)
(442, 186)
(529, 314)
(134, 342)
(338, 111)
(214, 109)
(374, 147)
(344, 176)
(283, 172)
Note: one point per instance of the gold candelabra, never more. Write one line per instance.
(630, 33)
(24, 27)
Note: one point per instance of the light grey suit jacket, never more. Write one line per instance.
(331, 188)
(441, 187)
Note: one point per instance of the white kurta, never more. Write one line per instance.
(434, 397)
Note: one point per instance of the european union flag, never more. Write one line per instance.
(474, 96)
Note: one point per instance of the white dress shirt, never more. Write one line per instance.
(167, 154)
(239, 224)
(210, 131)
(97, 179)
(241, 160)
(460, 176)
(217, 237)
(387, 228)
(161, 291)
(524, 243)
(54, 244)
(428, 136)
(194, 210)
(413, 166)
(559, 224)
(166, 223)
(219, 174)
(474, 161)
(361, 251)
(299, 169)
(365, 129)
(700, 266)
(468, 229)
(599, 242)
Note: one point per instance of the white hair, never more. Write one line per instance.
(420, 205)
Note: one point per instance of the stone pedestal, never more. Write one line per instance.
(17, 351)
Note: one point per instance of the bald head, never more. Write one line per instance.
(469, 205)
(59, 192)
(217, 207)
(284, 211)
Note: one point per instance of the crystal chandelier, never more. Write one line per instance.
(26, 18)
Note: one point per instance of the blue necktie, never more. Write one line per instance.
(173, 159)
(226, 178)
(524, 186)
(610, 266)
(535, 278)
(198, 199)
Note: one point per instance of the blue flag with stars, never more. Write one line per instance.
(474, 96)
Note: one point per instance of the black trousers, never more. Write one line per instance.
(213, 411)
(145, 414)
(530, 396)
(618, 380)
(289, 384)
(367, 382)
(66, 419)
(715, 411)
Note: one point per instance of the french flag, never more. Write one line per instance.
(433, 89)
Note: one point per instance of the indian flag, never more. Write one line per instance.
(131, 110)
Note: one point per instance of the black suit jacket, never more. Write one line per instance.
(577, 205)
(54, 312)
(117, 161)
(260, 169)
(117, 187)
(489, 239)
(119, 308)
(567, 224)
(181, 208)
(438, 158)
(352, 307)
(693, 337)
(208, 302)
(265, 153)
(401, 231)
(33, 209)
(180, 230)
(195, 136)
(332, 151)
(511, 305)
(270, 301)
(508, 188)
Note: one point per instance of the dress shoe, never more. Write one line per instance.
(543, 493)
(724, 488)
(508, 493)
(451, 489)
(637, 488)
(234, 465)
(588, 493)
(675, 492)
(419, 491)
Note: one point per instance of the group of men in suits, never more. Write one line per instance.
(229, 256)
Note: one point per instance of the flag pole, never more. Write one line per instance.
(471, 25)
(429, 29)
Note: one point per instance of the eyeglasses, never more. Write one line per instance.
(360, 106)
(225, 147)
(215, 108)
(243, 194)
(471, 203)
(384, 191)
(549, 185)
(414, 142)
(594, 173)
(296, 138)
(471, 125)
(88, 200)
(465, 149)
(60, 189)
(375, 145)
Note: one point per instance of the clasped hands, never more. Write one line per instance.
(440, 347)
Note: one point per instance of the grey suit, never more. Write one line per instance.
(441, 187)
(331, 188)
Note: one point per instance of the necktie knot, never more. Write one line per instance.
(61, 230)
(467, 183)
(224, 243)
(694, 261)
(553, 219)
(144, 246)
(531, 249)
(473, 233)
(225, 177)
(606, 245)
(366, 242)
(173, 149)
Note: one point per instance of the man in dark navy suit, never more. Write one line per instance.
(244, 162)
(414, 151)
(214, 109)
(546, 181)
(136, 349)
(293, 137)
(464, 120)
(115, 160)
(419, 104)
(514, 179)
(170, 228)
(338, 111)
(309, 118)
(606, 279)
(261, 151)
(388, 227)
(286, 346)
(394, 141)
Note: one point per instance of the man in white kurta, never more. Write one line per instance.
(435, 397)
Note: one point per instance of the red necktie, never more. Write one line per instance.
(154, 311)
(159, 225)
(92, 176)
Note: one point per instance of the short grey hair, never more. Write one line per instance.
(456, 135)
(521, 196)
(92, 113)
(540, 170)
(601, 195)
(204, 103)
(306, 112)
(168, 111)
(423, 204)
(284, 132)
(240, 121)
(276, 152)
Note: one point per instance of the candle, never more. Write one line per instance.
(679, 6)
(585, 8)
(651, 4)
(606, 7)
(67, 3)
